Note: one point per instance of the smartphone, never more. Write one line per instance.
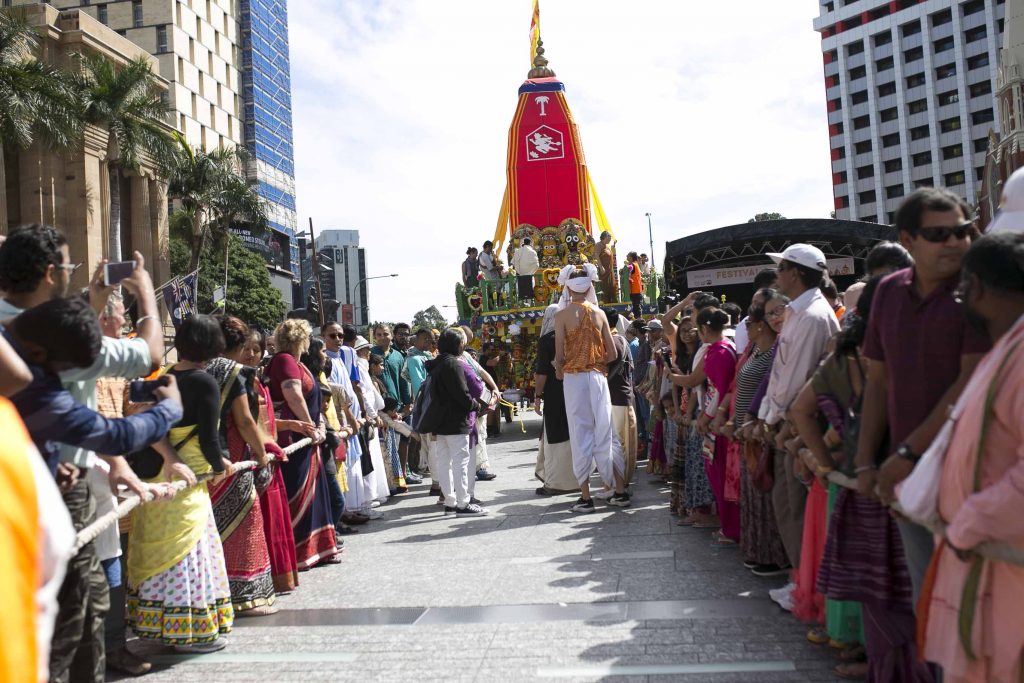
(113, 273)
(141, 391)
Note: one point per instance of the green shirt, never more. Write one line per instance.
(397, 387)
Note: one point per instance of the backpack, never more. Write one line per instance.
(424, 405)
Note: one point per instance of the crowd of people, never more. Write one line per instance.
(789, 434)
(259, 454)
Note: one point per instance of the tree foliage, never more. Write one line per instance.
(250, 295)
(773, 216)
(430, 318)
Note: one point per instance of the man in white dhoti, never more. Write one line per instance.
(583, 349)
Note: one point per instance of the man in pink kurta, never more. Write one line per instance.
(992, 289)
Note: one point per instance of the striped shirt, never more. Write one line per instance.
(747, 382)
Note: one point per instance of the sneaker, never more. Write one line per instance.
(449, 510)
(603, 494)
(583, 505)
(750, 564)
(201, 649)
(786, 604)
(619, 500)
(780, 594)
(470, 509)
(475, 501)
(484, 475)
(768, 570)
(375, 504)
(374, 514)
(413, 478)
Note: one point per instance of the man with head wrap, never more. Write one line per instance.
(583, 349)
(554, 456)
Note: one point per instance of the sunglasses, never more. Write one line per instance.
(336, 335)
(70, 267)
(943, 233)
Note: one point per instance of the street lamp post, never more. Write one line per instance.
(352, 296)
(650, 236)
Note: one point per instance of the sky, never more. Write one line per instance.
(702, 114)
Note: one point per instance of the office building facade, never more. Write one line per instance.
(909, 88)
(347, 281)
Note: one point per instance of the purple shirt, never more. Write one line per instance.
(921, 342)
(476, 390)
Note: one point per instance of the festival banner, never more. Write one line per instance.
(695, 279)
(180, 296)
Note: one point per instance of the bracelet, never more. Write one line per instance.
(138, 323)
(864, 468)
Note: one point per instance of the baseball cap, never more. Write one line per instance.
(1010, 215)
(802, 254)
(655, 325)
(361, 343)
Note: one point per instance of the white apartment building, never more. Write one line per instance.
(909, 88)
(347, 282)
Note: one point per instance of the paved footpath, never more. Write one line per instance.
(530, 592)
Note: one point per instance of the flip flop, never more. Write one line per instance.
(718, 538)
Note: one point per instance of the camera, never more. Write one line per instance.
(667, 300)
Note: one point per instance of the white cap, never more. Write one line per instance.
(1010, 215)
(361, 343)
(804, 255)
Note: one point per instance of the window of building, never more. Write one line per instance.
(861, 122)
(842, 202)
(866, 197)
(883, 64)
(890, 140)
(859, 97)
(840, 152)
(982, 88)
(893, 165)
(161, 38)
(943, 17)
(952, 152)
(975, 34)
(862, 147)
(954, 179)
(866, 172)
(855, 48)
(981, 145)
(893, 191)
(833, 55)
(944, 44)
(911, 28)
(921, 159)
(137, 13)
(919, 132)
(945, 71)
(887, 89)
(838, 126)
(915, 80)
(890, 114)
(973, 7)
(858, 72)
(841, 177)
(101, 13)
(979, 174)
(913, 54)
(883, 39)
(977, 61)
(999, 24)
(829, 6)
(948, 97)
(983, 116)
(948, 125)
(917, 106)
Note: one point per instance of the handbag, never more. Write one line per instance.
(760, 465)
(365, 461)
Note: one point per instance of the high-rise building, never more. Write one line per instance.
(348, 279)
(909, 86)
(229, 69)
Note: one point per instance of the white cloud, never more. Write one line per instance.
(701, 113)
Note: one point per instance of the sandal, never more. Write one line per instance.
(706, 522)
(718, 538)
(857, 653)
(856, 671)
(818, 636)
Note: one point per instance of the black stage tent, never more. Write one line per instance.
(724, 260)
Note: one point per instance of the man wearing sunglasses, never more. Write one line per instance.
(921, 352)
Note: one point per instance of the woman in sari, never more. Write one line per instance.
(697, 494)
(277, 518)
(296, 396)
(760, 543)
(720, 368)
(236, 505)
(315, 360)
(373, 399)
(178, 591)
(554, 457)
(682, 355)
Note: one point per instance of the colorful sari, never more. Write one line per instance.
(236, 507)
(305, 478)
(720, 368)
(178, 590)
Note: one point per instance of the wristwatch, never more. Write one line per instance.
(904, 451)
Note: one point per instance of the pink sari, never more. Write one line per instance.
(720, 369)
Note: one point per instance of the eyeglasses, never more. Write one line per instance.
(70, 267)
(940, 234)
(777, 313)
(336, 335)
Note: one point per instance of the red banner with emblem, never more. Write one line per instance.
(547, 173)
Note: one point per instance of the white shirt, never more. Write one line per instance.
(487, 266)
(810, 324)
(740, 335)
(525, 260)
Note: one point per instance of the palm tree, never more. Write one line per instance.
(235, 200)
(126, 103)
(35, 98)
